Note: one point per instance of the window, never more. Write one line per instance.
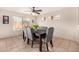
(17, 23)
(27, 21)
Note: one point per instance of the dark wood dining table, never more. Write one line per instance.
(40, 32)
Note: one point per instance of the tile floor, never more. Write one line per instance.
(17, 44)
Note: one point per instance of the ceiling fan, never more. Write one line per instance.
(37, 11)
(34, 10)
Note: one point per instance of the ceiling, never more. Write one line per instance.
(27, 10)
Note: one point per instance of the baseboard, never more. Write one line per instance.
(10, 37)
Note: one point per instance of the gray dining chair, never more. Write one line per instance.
(24, 34)
(30, 35)
(49, 37)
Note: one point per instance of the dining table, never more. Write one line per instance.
(40, 32)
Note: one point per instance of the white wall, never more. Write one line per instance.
(66, 26)
(78, 22)
(6, 30)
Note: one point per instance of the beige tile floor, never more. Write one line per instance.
(17, 44)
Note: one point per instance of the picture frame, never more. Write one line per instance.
(5, 19)
(51, 17)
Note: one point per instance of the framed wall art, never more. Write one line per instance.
(5, 19)
(51, 17)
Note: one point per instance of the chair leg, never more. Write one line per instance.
(51, 43)
(27, 41)
(32, 44)
(47, 46)
(24, 39)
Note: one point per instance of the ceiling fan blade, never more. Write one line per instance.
(39, 10)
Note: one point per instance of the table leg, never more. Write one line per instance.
(23, 34)
(40, 46)
(27, 41)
